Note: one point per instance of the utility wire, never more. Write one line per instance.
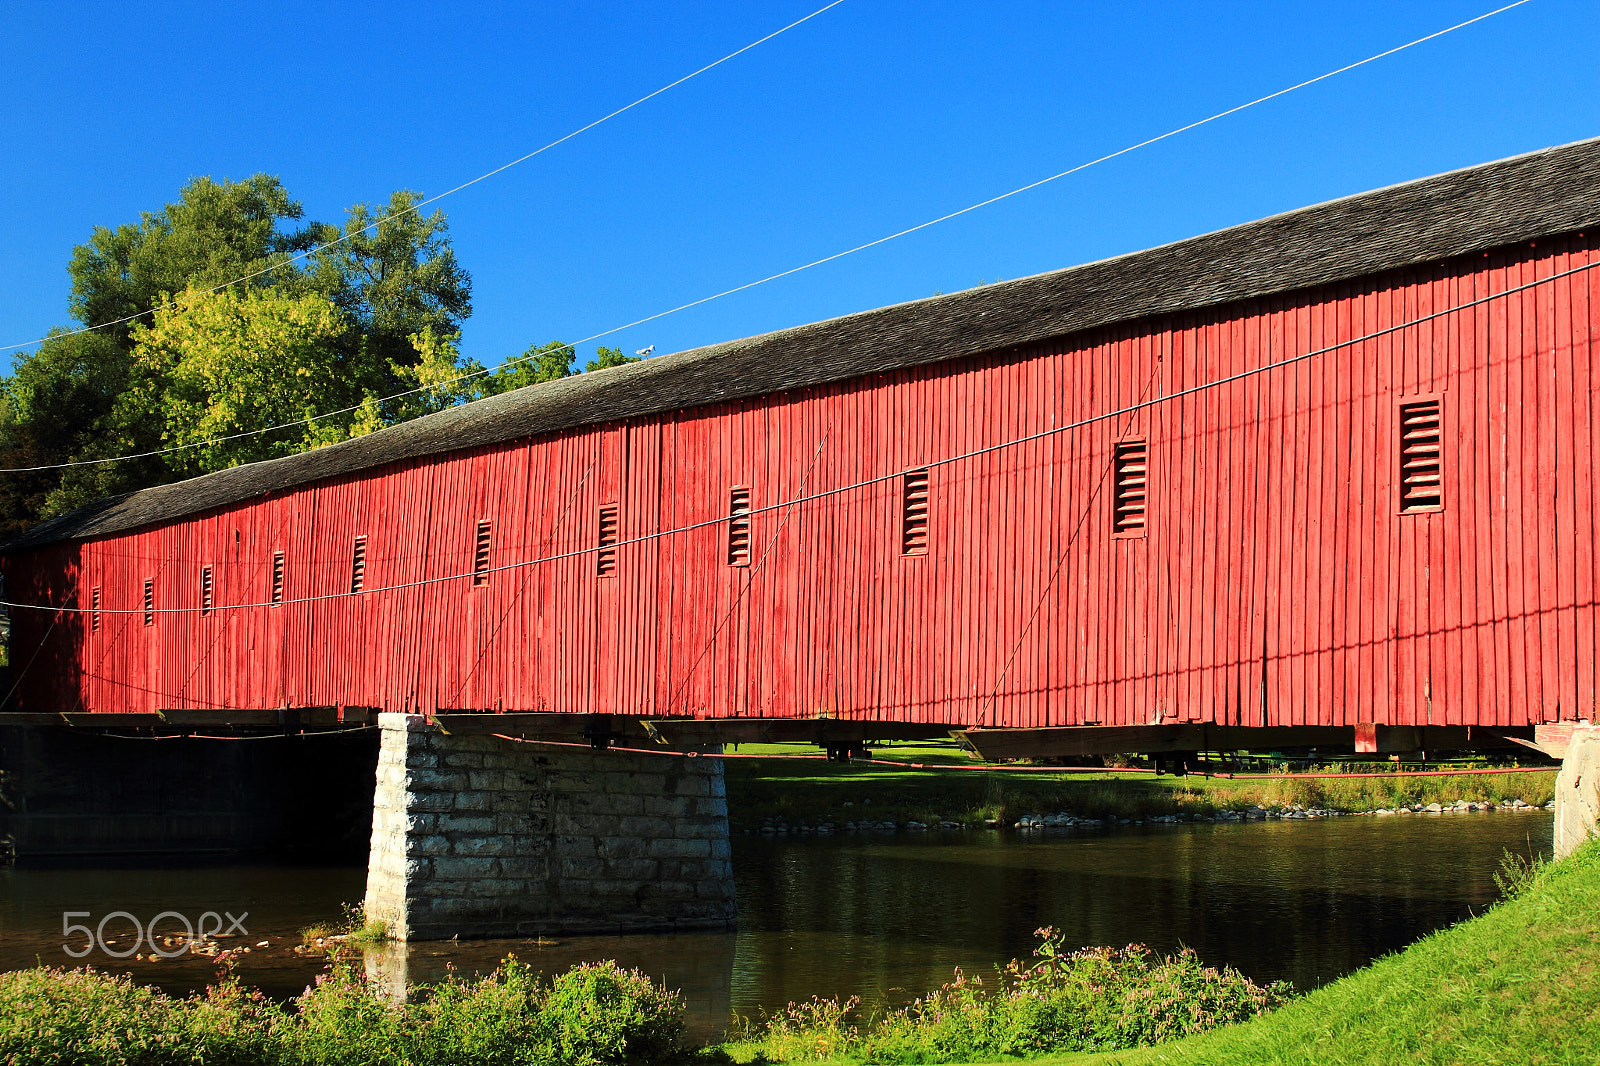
(772, 277)
(867, 483)
(417, 207)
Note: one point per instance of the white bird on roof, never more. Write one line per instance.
(644, 353)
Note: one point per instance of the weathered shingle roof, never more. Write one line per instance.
(1543, 193)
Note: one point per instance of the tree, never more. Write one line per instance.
(397, 298)
(541, 362)
(604, 358)
(63, 395)
(546, 362)
(219, 364)
(214, 233)
(395, 276)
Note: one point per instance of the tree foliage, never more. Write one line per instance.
(226, 312)
(546, 362)
(221, 364)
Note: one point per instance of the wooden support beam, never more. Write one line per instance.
(702, 733)
(292, 718)
(602, 730)
(1077, 741)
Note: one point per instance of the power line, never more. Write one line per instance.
(772, 277)
(417, 207)
(880, 479)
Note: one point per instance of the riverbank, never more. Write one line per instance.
(1515, 985)
(930, 786)
(1533, 959)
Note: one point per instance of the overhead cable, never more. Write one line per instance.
(417, 207)
(868, 482)
(772, 277)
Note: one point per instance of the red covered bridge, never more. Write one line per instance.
(1331, 469)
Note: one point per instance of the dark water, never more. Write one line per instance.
(885, 916)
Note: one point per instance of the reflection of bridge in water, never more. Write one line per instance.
(1322, 480)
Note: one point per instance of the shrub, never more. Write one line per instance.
(1092, 1000)
(340, 1020)
(600, 1014)
(88, 1018)
(594, 1015)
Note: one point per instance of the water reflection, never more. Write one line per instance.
(884, 916)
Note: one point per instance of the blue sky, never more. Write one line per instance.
(872, 117)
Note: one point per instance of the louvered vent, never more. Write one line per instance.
(914, 512)
(277, 578)
(149, 601)
(358, 565)
(739, 528)
(1131, 474)
(94, 609)
(205, 590)
(605, 563)
(1421, 466)
(480, 555)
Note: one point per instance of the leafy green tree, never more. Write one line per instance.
(62, 397)
(64, 394)
(373, 315)
(394, 275)
(221, 364)
(214, 233)
(546, 362)
(608, 357)
(541, 362)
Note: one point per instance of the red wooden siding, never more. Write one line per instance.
(1275, 580)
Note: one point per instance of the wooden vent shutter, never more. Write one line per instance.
(739, 528)
(914, 512)
(277, 578)
(149, 601)
(94, 609)
(1130, 473)
(605, 563)
(205, 590)
(480, 555)
(358, 565)
(1421, 456)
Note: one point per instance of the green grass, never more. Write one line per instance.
(1519, 984)
(889, 788)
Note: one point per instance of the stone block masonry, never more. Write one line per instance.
(476, 836)
(1578, 792)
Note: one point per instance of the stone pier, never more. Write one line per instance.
(1578, 792)
(478, 836)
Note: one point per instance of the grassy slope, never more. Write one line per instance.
(1520, 984)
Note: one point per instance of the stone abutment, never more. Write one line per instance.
(480, 836)
(1578, 792)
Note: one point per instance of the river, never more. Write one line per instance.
(880, 915)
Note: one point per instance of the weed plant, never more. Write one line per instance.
(1518, 873)
(1097, 999)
